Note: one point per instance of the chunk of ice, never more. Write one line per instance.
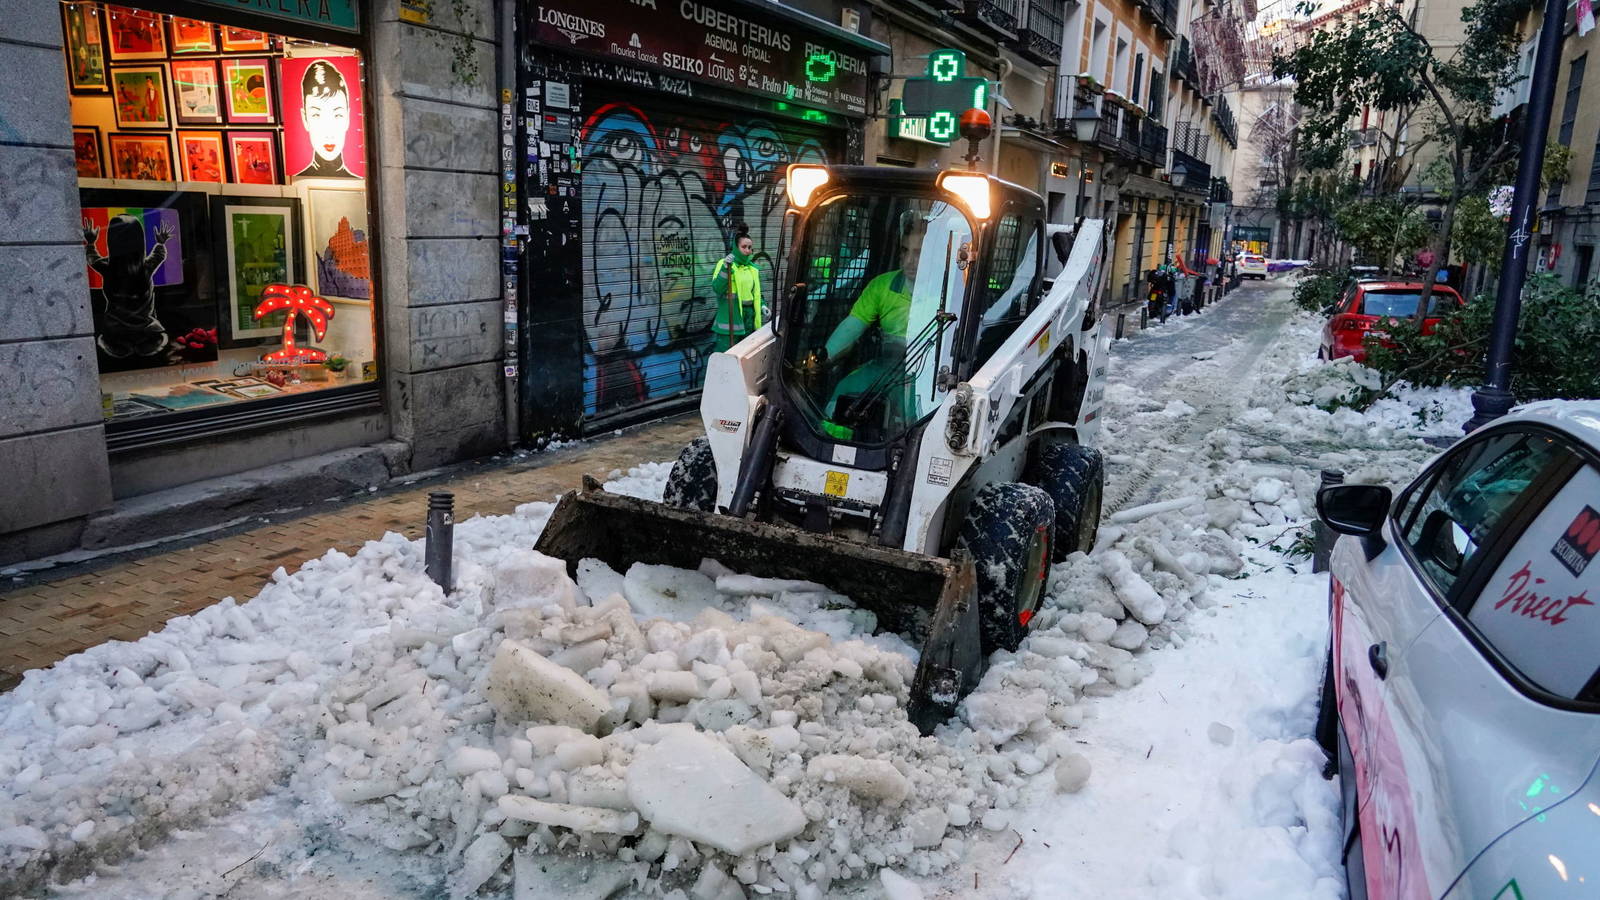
(732, 810)
(524, 685)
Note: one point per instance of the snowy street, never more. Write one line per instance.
(353, 731)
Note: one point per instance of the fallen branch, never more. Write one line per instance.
(1014, 849)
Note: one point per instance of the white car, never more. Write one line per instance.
(1252, 265)
(1463, 707)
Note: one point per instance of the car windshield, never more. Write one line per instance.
(884, 276)
(1400, 304)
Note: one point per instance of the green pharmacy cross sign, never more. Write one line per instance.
(942, 95)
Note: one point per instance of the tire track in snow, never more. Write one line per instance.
(1214, 396)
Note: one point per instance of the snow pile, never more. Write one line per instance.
(524, 716)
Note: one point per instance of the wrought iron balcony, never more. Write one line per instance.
(1191, 139)
(1039, 38)
(1183, 64)
(1164, 14)
(1222, 116)
(1221, 191)
(1152, 142)
(1196, 175)
(1001, 17)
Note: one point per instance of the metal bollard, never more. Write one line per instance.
(1122, 322)
(441, 538)
(1324, 536)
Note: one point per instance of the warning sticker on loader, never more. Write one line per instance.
(939, 469)
(836, 484)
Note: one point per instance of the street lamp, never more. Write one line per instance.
(1085, 122)
(1494, 399)
(1177, 173)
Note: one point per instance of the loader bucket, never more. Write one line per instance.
(928, 599)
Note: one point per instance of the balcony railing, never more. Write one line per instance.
(1039, 38)
(1183, 64)
(1221, 191)
(1152, 142)
(1191, 139)
(1222, 117)
(1003, 17)
(1164, 13)
(1196, 176)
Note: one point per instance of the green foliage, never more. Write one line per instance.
(1478, 238)
(1381, 228)
(1316, 293)
(1557, 353)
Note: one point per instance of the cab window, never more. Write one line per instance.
(1005, 298)
(1447, 523)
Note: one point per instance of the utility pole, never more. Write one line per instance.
(1494, 399)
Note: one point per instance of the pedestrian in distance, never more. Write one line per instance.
(736, 285)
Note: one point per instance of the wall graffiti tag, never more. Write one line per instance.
(661, 194)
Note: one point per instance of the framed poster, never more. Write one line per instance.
(202, 156)
(247, 87)
(139, 95)
(141, 157)
(150, 276)
(196, 96)
(340, 251)
(243, 40)
(256, 239)
(135, 34)
(254, 155)
(323, 136)
(192, 36)
(86, 151)
(86, 48)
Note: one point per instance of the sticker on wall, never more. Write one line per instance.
(323, 136)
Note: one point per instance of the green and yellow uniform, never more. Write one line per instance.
(736, 287)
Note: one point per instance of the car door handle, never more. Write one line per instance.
(1378, 656)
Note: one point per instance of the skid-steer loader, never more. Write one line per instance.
(914, 427)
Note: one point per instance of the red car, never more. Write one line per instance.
(1367, 304)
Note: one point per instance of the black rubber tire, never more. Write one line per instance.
(1074, 477)
(1327, 731)
(1007, 531)
(692, 483)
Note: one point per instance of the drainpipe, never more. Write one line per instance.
(510, 242)
(1004, 67)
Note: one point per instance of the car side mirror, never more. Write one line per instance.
(1357, 509)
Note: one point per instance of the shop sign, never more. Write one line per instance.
(909, 128)
(719, 42)
(340, 14)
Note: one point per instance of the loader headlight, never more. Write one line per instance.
(971, 190)
(802, 181)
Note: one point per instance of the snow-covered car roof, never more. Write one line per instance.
(1579, 418)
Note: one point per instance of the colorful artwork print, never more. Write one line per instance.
(135, 34)
(152, 221)
(242, 40)
(193, 36)
(323, 132)
(254, 155)
(141, 157)
(86, 152)
(248, 90)
(257, 240)
(660, 196)
(202, 155)
(196, 93)
(86, 49)
(140, 96)
(337, 220)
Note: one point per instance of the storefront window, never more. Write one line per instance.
(223, 180)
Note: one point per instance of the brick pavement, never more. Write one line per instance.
(127, 596)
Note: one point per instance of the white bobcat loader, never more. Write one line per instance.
(914, 428)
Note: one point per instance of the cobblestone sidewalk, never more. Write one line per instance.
(126, 596)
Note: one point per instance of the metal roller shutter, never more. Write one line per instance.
(662, 189)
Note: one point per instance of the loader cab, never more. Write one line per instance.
(904, 282)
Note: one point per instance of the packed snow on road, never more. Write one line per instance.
(713, 734)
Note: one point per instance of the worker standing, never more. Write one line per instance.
(736, 285)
